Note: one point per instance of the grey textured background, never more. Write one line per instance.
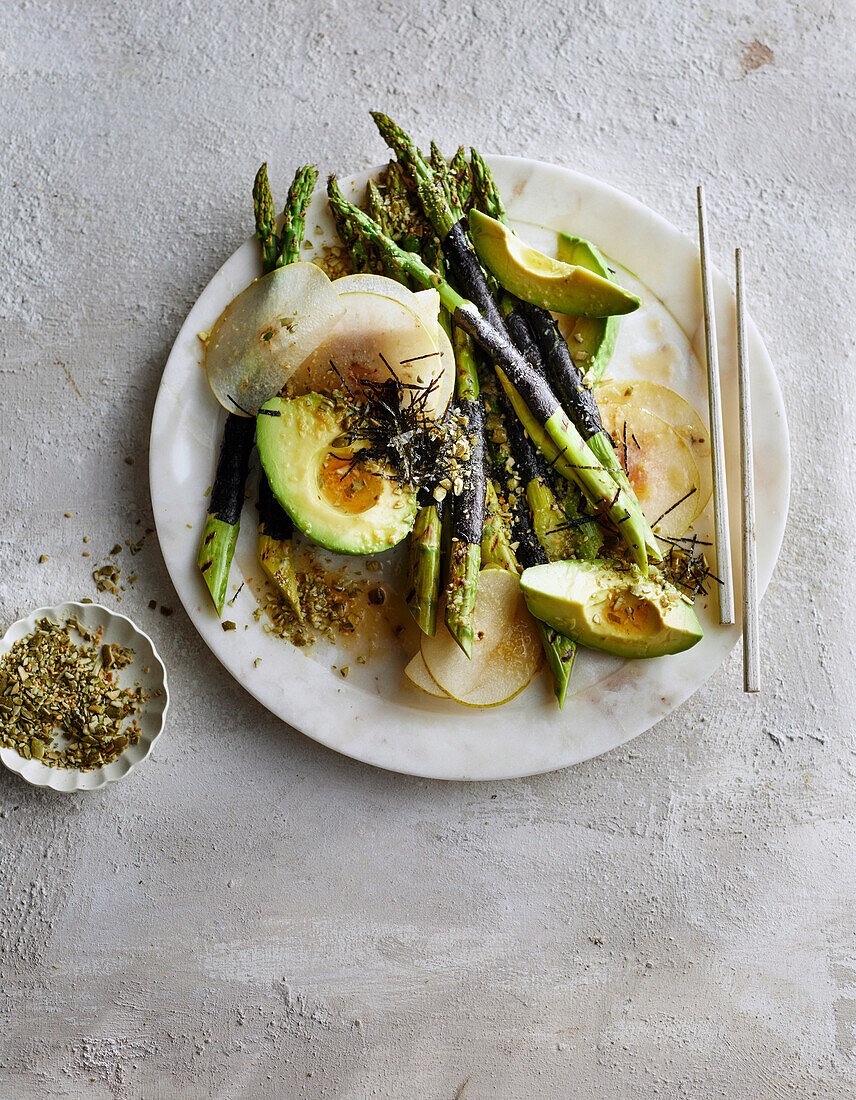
(251, 915)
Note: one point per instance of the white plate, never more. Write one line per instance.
(375, 716)
(146, 668)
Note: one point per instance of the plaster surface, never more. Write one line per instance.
(250, 915)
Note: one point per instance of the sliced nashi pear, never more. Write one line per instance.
(506, 647)
(429, 309)
(424, 302)
(367, 283)
(264, 334)
(417, 673)
(678, 414)
(659, 466)
(377, 335)
(446, 381)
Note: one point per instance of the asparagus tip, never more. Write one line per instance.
(465, 642)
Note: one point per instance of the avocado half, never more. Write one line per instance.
(622, 613)
(542, 280)
(349, 512)
(593, 336)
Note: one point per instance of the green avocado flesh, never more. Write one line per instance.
(542, 280)
(351, 513)
(593, 336)
(622, 613)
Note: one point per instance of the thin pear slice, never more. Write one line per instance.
(659, 466)
(376, 335)
(429, 309)
(427, 304)
(507, 650)
(424, 302)
(367, 283)
(541, 279)
(678, 414)
(265, 333)
(417, 673)
(446, 382)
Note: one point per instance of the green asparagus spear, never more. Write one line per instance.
(485, 193)
(294, 215)
(391, 207)
(567, 450)
(445, 181)
(580, 399)
(362, 254)
(462, 174)
(558, 650)
(496, 548)
(265, 219)
(220, 534)
(275, 548)
(583, 531)
(577, 397)
(445, 220)
(468, 505)
(435, 194)
(425, 567)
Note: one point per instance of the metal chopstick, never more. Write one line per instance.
(751, 640)
(717, 441)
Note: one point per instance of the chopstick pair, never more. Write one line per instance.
(751, 639)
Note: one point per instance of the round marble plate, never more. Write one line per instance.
(374, 715)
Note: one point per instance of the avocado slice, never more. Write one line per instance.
(356, 512)
(594, 337)
(541, 280)
(622, 613)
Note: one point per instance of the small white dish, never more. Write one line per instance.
(146, 669)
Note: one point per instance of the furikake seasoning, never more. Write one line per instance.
(61, 703)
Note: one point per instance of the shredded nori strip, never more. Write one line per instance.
(389, 421)
(674, 506)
